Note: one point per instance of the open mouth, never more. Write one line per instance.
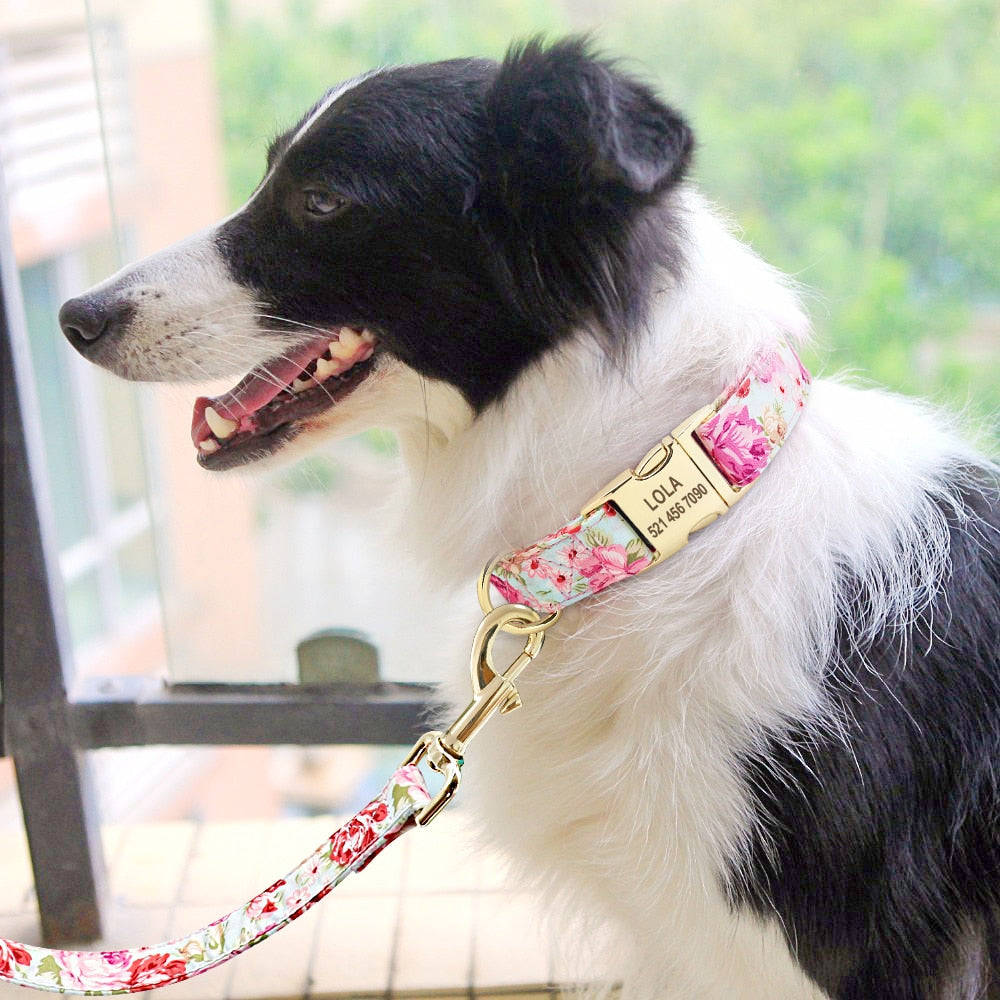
(266, 409)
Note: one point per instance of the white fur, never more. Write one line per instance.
(324, 105)
(613, 789)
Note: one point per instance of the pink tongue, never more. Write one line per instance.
(256, 390)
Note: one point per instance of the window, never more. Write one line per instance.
(94, 461)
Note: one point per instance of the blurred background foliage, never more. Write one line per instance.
(854, 142)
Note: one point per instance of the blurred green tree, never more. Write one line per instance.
(855, 141)
(857, 144)
(272, 69)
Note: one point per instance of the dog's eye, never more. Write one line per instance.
(320, 204)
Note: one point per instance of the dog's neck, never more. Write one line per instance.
(575, 419)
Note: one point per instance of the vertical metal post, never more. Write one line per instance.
(57, 801)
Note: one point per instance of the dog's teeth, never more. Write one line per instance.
(346, 347)
(301, 384)
(324, 369)
(221, 427)
(368, 337)
(209, 445)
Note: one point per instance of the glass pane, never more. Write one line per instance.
(100, 258)
(86, 616)
(137, 571)
(50, 363)
(123, 436)
(828, 153)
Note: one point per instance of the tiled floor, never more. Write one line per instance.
(430, 917)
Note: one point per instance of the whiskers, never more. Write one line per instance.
(233, 338)
(255, 312)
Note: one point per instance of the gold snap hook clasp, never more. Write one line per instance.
(516, 618)
(493, 690)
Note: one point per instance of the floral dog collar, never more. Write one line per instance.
(639, 519)
(682, 485)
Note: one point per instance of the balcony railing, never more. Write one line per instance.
(50, 718)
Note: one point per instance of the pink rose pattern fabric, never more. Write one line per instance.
(752, 418)
(347, 850)
(754, 415)
(582, 558)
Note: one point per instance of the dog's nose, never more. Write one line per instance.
(88, 318)
(83, 320)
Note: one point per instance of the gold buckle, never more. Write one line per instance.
(493, 691)
(674, 491)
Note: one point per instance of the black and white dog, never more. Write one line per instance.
(769, 769)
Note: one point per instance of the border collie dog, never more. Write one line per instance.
(767, 769)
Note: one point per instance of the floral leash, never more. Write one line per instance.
(347, 850)
(681, 485)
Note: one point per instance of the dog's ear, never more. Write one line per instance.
(563, 119)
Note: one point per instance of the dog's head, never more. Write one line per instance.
(450, 221)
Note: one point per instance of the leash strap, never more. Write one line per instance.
(349, 849)
(682, 485)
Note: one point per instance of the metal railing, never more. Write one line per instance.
(50, 718)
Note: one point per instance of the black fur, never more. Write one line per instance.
(881, 854)
(492, 210)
